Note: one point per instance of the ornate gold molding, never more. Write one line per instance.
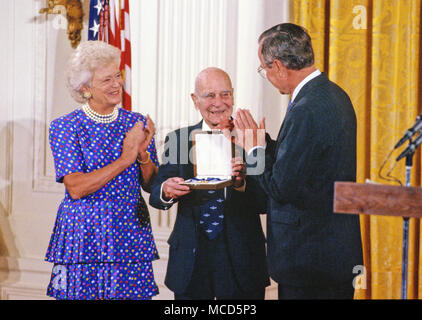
(74, 13)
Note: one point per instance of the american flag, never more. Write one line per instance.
(109, 22)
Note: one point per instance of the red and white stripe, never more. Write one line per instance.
(119, 36)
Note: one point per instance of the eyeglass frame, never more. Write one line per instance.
(262, 72)
(226, 94)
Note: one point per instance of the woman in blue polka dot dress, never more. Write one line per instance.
(102, 245)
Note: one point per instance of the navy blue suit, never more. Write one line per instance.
(242, 239)
(309, 245)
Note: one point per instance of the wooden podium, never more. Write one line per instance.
(376, 199)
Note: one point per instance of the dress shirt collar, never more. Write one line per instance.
(314, 74)
(205, 126)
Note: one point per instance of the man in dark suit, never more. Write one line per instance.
(311, 250)
(229, 262)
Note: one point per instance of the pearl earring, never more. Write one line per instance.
(87, 95)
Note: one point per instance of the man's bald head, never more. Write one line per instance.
(208, 74)
(213, 96)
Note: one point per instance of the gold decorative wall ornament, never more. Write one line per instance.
(72, 10)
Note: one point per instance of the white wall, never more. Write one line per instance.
(33, 94)
(172, 40)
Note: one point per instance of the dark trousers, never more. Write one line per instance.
(213, 275)
(343, 291)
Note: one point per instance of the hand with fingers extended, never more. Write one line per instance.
(149, 131)
(238, 171)
(132, 142)
(226, 126)
(247, 133)
(172, 189)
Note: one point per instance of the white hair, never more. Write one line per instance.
(89, 56)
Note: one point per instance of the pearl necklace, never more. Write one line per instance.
(100, 118)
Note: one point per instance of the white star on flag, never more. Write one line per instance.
(95, 28)
(98, 7)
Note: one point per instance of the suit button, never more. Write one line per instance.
(194, 250)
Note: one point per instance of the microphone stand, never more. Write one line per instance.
(409, 163)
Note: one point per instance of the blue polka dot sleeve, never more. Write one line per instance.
(65, 147)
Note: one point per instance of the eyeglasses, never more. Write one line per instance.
(213, 95)
(262, 72)
(109, 81)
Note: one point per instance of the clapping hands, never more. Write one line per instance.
(243, 130)
(137, 140)
(148, 134)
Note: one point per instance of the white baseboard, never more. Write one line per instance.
(22, 292)
(24, 278)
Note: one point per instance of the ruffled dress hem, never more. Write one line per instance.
(102, 281)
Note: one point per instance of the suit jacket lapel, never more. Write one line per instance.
(191, 129)
(189, 167)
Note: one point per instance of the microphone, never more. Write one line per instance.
(411, 132)
(411, 148)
